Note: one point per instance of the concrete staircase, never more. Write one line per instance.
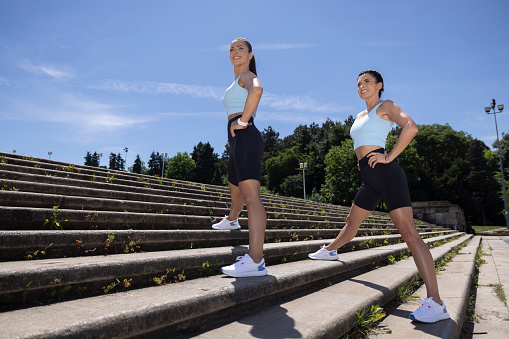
(87, 252)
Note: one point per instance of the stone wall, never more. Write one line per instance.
(441, 213)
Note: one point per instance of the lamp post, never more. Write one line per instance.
(500, 109)
(49, 154)
(303, 166)
(14, 151)
(163, 155)
(125, 150)
(100, 156)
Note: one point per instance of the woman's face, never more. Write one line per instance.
(367, 86)
(239, 53)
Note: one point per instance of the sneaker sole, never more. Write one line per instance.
(246, 274)
(226, 228)
(328, 259)
(430, 321)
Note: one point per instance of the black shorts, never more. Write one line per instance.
(246, 151)
(384, 181)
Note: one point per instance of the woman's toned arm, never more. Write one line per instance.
(254, 93)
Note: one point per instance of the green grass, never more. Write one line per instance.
(485, 228)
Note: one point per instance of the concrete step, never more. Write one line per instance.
(139, 312)
(30, 218)
(16, 275)
(34, 277)
(43, 200)
(330, 312)
(454, 283)
(17, 245)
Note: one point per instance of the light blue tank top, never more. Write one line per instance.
(370, 129)
(234, 99)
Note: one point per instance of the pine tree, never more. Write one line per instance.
(138, 165)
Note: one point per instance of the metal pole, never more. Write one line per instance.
(501, 171)
(304, 181)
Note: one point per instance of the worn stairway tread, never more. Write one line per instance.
(17, 276)
(140, 311)
(454, 283)
(43, 238)
(44, 200)
(329, 312)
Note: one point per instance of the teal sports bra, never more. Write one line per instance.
(234, 99)
(370, 129)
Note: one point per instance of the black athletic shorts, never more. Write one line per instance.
(246, 151)
(384, 181)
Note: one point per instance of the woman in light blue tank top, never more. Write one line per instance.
(245, 162)
(384, 179)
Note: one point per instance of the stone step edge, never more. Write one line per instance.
(135, 175)
(323, 320)
(454, 283)
(141, 311)
(12, 240)
(19, 276)
(163, 190)
(73, 202)
(34, 217)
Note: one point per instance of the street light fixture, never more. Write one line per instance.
(500, 109)
(303, 166)
(49, 154)
(163, 155)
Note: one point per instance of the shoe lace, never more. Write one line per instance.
(426, 303)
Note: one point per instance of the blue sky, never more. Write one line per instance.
(78, 76)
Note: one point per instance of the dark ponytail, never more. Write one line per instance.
(252, 62)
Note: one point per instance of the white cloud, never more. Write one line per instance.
(160, 88)
(82, 115)
(46, 70)
(279, 102)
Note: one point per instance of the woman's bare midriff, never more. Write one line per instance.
(362, 151)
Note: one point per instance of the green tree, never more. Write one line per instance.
(206, 163)
(180, 167)
(342, 177)
(280, 167)
(486, 204)
(92, 159)
(155, 164)
(116, 162)
(138, 166)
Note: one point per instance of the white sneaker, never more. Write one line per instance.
(226, 224)
(324, 254)
(245, 267)
(430, 311)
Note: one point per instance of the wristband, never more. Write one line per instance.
(241, 123)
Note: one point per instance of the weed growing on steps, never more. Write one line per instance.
(499, 291)
(470, 316)
(109, 241)
(160, 180)
(3, 159)
(130, 246)
(7, 186)
(110, 178)
(163, 280)
(126, 283)
(365, 321)
(52, 222)
(29, 158)
(33, 254)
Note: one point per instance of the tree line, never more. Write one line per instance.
(440, 164)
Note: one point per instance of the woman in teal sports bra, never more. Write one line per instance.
(382, 178)
(245, 162)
